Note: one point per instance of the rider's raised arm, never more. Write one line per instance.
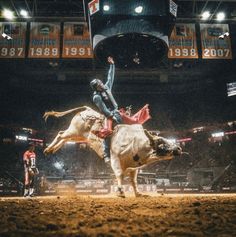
(111, 73)
(102, 107)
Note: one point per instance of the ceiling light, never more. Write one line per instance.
(138, 9)
(106, 8)
(24, 13)
(8, 14)
(220, 16)
(206, 15)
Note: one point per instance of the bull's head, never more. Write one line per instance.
(162, 146)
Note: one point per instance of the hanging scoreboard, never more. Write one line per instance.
(213, 45)
(12, 42)
(76, 41)
(183, 43)
(44, 40)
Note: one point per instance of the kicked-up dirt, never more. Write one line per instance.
(167, 215)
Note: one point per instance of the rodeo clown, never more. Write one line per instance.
(104, 100)
(31, 171)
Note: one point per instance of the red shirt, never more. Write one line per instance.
(29, 158)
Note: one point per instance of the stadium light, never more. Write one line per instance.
(206, 15)
(58, 165)
(138, 9)
(8, 14)
(220, 16)
(171, 140)
(106, 8)
(21, 138)
(218, 134)
(24, 13)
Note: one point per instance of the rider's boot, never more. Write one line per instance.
(106, 149)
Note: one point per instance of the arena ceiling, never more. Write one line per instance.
(179, 75)
(185, 91)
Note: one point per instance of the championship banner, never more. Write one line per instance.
(44, 40)
(182, 42)
(213, 45)
(76, 41)
(12, 39)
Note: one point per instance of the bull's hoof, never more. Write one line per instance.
(141, 195)
(46, 151)
(120, 192)
(121, 195)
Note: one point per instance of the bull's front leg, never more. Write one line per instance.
(133, 179)
(57, 146)
(116, 166)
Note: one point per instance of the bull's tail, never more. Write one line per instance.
(60, 114)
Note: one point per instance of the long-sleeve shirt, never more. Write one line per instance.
(104, 100)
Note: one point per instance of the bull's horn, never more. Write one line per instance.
(185, 153)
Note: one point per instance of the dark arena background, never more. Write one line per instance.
(176, 56)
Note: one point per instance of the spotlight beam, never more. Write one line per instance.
(27, 5)
(216, 9)
(17, 12)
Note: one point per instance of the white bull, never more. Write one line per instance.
(131, 147)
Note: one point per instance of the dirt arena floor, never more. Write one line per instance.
(160, 215)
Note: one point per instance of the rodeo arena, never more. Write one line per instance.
(117, 118)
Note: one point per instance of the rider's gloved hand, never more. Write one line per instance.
(115, 116)
(115, 119)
